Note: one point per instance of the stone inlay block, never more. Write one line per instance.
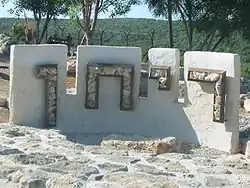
(162, 74)
(49, 73)
(218, 78)
(124, 71)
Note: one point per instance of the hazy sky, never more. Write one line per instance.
(136, 12)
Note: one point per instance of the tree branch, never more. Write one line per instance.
(79, 23)
(96, 11)
(217, 43)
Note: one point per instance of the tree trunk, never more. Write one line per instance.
(186, 28)
(45, 28)
(217, 43)
(170, 24)
(202, 43)
(152, 36)
(37, 32)
(205, 41)
(89, 37)
(37, 17)
(101, 38)
(210, 41)
(83, 39)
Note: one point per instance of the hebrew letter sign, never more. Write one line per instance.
(124, 71)
(49, 73)
(162, 74)
(216, 77)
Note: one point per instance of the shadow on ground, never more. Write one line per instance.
(4, 59)
(4, 76)
(96, 139)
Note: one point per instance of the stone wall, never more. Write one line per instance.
(108, 98)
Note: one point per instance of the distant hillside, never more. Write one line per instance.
(115, 31)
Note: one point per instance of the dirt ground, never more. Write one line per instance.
(4, 86)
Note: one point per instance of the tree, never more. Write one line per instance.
(221, 18)
(40, 9)
(217, 19)
(90, 9)
(164, 8)
(187, 10)
(17, 32)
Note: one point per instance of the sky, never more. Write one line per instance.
(136, 12)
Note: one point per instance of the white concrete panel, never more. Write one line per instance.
(157, 116)
(27, 93)
(199, 100)
(167, 57)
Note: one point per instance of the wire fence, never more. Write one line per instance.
(145, 40)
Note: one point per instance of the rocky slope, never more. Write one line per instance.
(35, 158)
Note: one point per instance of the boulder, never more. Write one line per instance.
(247, 151)
(166, 145)
(64, 181)
(30, 178)
(158, 146)
(247, 105)
(138, 180)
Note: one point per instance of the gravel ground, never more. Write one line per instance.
(35, 158)
(244, 121)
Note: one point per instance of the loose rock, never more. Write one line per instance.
(3, 103)
(212, 181)
(37, 158)
(4, 150)
(149, 169)
(79, 169)
(109, 168)
(159, 146)
(65, 181)
(134, 180)
(247, 152)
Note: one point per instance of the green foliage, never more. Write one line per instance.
(17, 31)
(42, 8)
(160, 7)
(139, 36)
